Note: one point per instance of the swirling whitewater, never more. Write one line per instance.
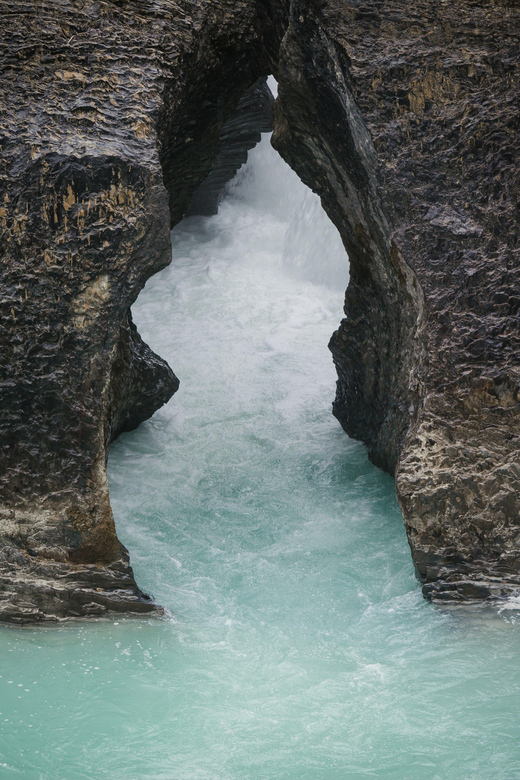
(296, 643)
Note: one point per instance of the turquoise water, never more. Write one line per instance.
(296, 644)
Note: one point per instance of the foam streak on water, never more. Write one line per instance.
(299, 646)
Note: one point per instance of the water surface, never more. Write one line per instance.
(297, 645)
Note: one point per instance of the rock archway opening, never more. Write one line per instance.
(243, 314)
(91, 187)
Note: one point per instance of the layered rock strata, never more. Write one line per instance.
(253, 116)
(111, 114)
(404, 118)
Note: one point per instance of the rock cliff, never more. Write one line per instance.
(402, 117)
(111, 114)
(253, 116)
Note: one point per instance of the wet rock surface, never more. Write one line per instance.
(253, 116)
(36, 590)
(405, 119)
(111, 114)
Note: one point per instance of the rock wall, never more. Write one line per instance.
(404, 118)
(111, 114)
(253, 116)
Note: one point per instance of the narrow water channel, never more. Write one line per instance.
(296, 645)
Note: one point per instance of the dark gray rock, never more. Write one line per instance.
(141, 383)
(111, 115)
(35, 589)
(404, 118)
(254, 115)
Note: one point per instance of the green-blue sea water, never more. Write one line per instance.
(296, 643)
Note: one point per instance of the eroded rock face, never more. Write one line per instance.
(111, 114)
(404, 118)
(253, 116)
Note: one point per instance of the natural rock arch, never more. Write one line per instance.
(112, 117)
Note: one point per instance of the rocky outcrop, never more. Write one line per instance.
(111, 114)
(253, 116)
(141, 383)
(405, 120)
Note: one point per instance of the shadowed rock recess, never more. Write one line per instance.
(403, 117)
(253, 116)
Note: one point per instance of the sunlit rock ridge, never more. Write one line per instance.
(402, 117)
